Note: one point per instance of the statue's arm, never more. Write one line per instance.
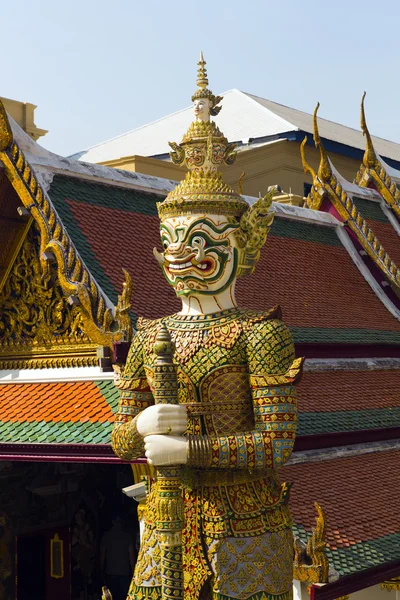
(273, 372)
(135, 396)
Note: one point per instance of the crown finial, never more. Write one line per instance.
(202, 79)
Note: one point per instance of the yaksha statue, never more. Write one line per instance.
(234, 424)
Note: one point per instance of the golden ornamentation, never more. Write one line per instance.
(324, 169)
(202, 191)
(56, 557)
(238, 434)
(371, 169)
(310, 562)
(6, 136)
(101, 325)
(391, 584)
(255, 225)
(203, 91)
(169, 504)
(38, 327)
(330, 188)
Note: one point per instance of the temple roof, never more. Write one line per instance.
(368, 398)
(244, 117)
(115, 228)
(362, 513)
(63, 413)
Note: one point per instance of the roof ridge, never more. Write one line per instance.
(121, 135)
(252, 98)
(319, 118)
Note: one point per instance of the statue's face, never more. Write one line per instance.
(201, 109)
(200, 253)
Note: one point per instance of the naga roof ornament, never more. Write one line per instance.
(372, 172)
(326, 186)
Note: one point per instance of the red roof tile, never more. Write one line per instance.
(358, 495)
(54, 402)
(316, 285)
(349, 390)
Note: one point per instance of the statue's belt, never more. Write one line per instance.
(197, 409)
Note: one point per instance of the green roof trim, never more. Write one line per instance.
(110, 393)
(371, 211)
(360, 556)
(316, 335)
(305, 232)
(58, 194)
(101, 194)
(59, 433)
(312, 423)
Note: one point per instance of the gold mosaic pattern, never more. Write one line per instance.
(246, 566)
(325, 185)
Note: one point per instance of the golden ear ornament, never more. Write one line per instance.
(255, 225)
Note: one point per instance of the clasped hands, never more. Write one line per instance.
(161, 427)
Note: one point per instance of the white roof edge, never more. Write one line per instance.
(56, 375)
(101, 174)
(353, 189)
(391, 171)
(36, 155)
(121, 135)
(366, 273)
(265, 109)
(299, 213)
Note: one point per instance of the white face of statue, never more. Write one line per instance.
(200, 253)
(201, 109)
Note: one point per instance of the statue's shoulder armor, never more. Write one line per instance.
(144, 324)
(250, 317)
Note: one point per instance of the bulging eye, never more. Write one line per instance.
(165, 244)
(198, 241)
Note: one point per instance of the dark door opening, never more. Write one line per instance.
(31, 567)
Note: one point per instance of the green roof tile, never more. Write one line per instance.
(316, 335)
(370, 210)
(352, 420)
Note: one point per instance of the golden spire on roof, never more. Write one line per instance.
(324, 169)
(369, 158)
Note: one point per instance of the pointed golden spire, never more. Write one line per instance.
(307, 168)
(202, 79)
(324, 169)
(369, 158)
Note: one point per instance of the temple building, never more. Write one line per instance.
(76, 253)
(268, 137)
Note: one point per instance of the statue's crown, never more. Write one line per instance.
(204, 149)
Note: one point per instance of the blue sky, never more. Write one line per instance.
(97, 69)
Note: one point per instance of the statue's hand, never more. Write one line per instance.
(165, 450)
(162, 419)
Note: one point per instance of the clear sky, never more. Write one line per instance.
(98, 68)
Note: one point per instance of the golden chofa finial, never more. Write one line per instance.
(324, 169)
(369, 158)
(306, 167)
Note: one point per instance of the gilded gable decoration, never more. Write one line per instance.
(326, 186)
(373, 171)
(103, 324)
